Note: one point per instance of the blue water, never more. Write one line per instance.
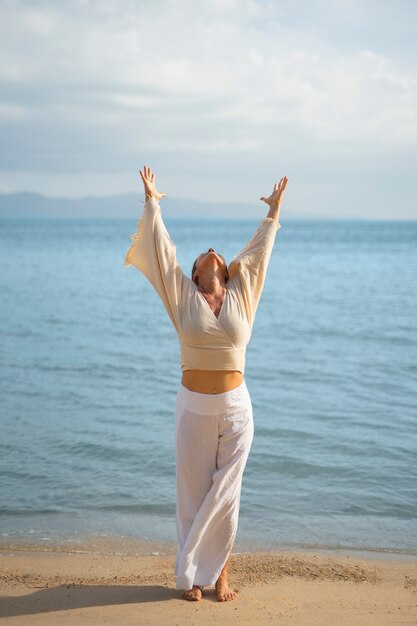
(90, 370)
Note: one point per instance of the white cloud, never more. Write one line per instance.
(11, 111)
(92, 85)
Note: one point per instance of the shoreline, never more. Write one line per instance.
(66, 586)
(108, 544)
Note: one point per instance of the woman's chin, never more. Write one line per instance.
(211, 259)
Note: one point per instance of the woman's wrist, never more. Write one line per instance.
(274, 210)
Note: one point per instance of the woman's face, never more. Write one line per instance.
(206, 259)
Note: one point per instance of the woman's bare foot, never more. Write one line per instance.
(196, 593)
(224, 592)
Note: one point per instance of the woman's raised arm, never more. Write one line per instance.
(252, 261)
(154, 253)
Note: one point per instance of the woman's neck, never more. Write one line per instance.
(211, 284)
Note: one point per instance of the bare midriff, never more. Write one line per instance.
(211, 381)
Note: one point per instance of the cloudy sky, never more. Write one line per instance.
(220, 97)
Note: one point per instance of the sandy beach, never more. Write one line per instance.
(64, 585)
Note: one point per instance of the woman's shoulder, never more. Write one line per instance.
(234, 285)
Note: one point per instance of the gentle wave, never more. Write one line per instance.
(90, 372)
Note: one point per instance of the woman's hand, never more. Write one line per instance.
(275, 199)
(148, 178)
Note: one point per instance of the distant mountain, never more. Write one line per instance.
(26, 204)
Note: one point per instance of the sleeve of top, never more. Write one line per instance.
(154, 254)
(252, 262)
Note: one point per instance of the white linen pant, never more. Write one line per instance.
(213, 436)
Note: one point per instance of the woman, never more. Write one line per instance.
(213, 314)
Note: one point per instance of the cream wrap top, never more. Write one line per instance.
(206, 342)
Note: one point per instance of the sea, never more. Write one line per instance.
(90, 369)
